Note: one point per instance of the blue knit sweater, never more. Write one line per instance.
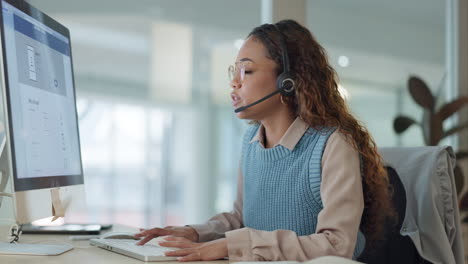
(282, 187)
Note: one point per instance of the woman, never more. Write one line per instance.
(311, 182)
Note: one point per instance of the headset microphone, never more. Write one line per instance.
(240, 109)
(285, 82)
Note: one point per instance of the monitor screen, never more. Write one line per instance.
(40, 96)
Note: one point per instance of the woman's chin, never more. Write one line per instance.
(241, 115)
(246, 115)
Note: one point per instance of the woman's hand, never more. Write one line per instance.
(175, 231)
(191, 251)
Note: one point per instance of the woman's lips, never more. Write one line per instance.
(235, 99)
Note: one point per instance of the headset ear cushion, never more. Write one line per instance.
(285, 83)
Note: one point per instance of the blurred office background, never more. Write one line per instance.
(160, 142)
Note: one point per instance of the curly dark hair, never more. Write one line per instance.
(318, 102)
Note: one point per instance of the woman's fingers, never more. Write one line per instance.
(191, 257)
(177, 244)
(175, 238)
(180, 252)
(216, 249)
(143, 232)
(187, 232)
(149, 234)
(145, 240)
(154, 232)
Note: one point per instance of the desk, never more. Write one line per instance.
(81, 253)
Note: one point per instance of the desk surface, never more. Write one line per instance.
(81, 253)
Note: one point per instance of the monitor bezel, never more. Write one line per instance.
(43, 182)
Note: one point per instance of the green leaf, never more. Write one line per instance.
(421, 93)
(401, 123)
(452, 107)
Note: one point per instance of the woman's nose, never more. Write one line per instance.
(235, 83)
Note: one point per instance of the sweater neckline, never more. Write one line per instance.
(271, 154)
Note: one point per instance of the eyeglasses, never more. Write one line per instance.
(238, 70)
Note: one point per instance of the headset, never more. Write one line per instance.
(285, 84)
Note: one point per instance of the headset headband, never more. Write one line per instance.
(284, 50)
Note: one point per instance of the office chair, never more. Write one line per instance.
(395, 248)
(427, 229)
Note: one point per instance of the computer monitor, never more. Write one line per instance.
(40, 159)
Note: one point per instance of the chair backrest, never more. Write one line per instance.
(431, 218)
(395, 248)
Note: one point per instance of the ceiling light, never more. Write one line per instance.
(343, 61)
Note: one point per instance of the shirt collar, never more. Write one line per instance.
(290, 138)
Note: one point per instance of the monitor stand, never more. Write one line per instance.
(7, 209)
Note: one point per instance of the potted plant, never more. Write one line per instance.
(432, 123)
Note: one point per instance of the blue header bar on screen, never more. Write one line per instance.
(27, 28)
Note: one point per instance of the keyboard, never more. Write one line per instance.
(128, 247)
